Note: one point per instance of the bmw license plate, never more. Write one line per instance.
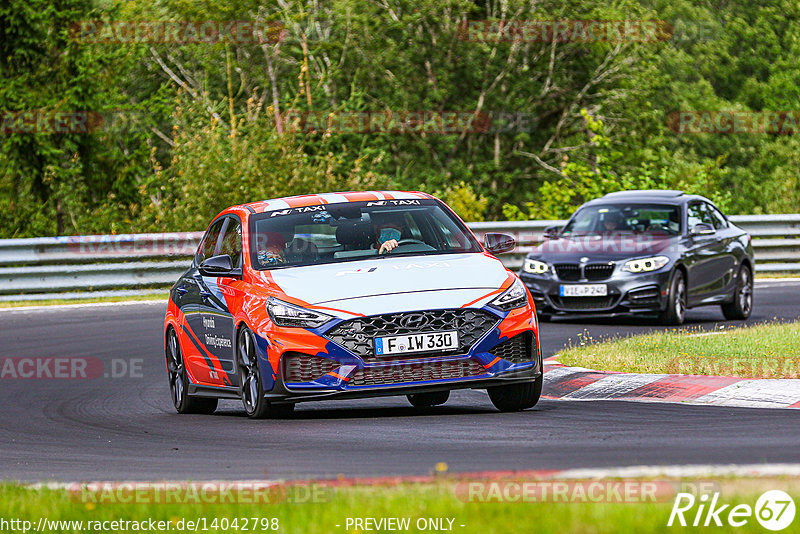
(584, 290)
(416, 343)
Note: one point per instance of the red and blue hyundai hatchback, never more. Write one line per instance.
(346, 295)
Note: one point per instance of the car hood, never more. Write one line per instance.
(389, 284)
(602, 248)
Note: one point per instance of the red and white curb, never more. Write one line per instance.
(577, 383)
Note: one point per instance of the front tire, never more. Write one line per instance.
(255, 405)
(676, 301)
(179, 381)
(742, 304)
(516, 397)
(427, 400)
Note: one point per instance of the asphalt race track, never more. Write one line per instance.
(125, 428)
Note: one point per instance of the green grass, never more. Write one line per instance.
(762, 351)
(60, 302)
(436, 500)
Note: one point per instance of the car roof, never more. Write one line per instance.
(331, 198)
(668, 196)
(639, 193)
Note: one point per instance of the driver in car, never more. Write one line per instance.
(271, 248)
(387, 236)
(613, 221)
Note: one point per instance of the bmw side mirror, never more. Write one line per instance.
(498, 243)
(551, 232)
(217, 266)
(702, 229)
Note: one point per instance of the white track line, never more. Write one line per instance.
(591, 473)
(678, 471)
(58, 307)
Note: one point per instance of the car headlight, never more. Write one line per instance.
(645, 265)
(515, 296)
(285, 314)
(535, 266)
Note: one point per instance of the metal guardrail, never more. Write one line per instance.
(34, 268)
(776, 239)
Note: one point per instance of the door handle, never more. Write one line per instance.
(182, 290)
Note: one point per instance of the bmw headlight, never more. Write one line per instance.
(515, 296)
(285, 314)
(535, 266)
(645, 265)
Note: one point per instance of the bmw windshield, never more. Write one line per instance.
(654, 219)
(330, 233)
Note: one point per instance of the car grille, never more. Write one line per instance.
(299, 367)
(515, 350)
(568, 272)
(571, 272)
(598, 271)
(584, 303)
(356, 335)
(400, 373)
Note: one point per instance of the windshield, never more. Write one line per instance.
(625, 218)
(330, 233)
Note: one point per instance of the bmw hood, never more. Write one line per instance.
(602, 248)
(387, 284)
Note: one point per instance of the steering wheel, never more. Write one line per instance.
(411, 241)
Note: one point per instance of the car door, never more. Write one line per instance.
(705, 256)
(193, 303)
(222, 292)
(215, 324)
(727, 238)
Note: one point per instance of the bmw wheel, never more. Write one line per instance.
(179, 381)
(742, 304)
(255, 405)
(675, 312)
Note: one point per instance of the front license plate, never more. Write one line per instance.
(586, 290)
(416, 343)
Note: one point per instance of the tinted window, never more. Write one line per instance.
(625, 218)
(329, 233)
(698, 214)
(717, 217)
(209, 243)
(232, 241)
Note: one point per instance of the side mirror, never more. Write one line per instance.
(551, 232)
(216, 266)
(498, 243)
(702, 229)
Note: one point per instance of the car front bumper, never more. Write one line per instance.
(506, 351)
(627, 294)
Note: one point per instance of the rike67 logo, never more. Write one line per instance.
(774, 510)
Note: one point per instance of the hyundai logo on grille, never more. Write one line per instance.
(414, 320)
